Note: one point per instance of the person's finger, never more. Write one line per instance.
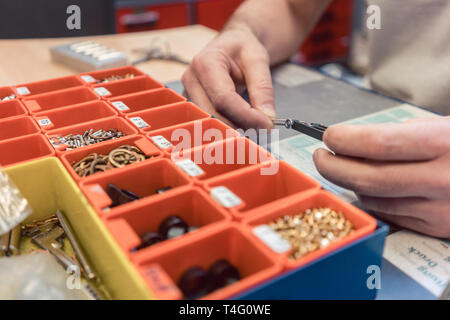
(420, 140)
(415, 224)
(256, 70)
(195, 93)
(214, 76)
(376, 179)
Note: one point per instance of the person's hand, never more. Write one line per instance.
(231, 62)
(401, 172)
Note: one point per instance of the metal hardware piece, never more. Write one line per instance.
(314, 130)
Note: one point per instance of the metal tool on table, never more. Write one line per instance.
(314, 130)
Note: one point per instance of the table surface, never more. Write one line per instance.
(28, 60)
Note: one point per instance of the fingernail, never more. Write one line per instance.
(268, 110)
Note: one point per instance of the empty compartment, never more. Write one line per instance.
(146, 100)
(77, 114)
(272, 183)
(12, 108)
(7, 93)
(113, 123)
(192, 134)
(110, 75)
(62, 98)
(146, 179)
(119, 88)
(23, 149)
(37, 87)
(163, 269)
(167, 116)
(218, 158)
(192, 206)
(16, 127)
(362, 222)
(73, 157)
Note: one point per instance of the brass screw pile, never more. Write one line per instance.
(89, 137)
(10, 97)
(37, 226)
(117, 158)
(116, 77)
(311, 230)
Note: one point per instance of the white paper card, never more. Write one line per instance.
(44, 122)
(23, 91)
(161, 142)
(190, 168)
(101, 91)
(225, 197)
(271, 238)
(88, 79)
(139, 122)
(119, 105)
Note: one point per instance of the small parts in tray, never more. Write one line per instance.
(10, 97)
(171, 227)
(312, 230)
(89, 137)
(196, 282)
(115, 78)
(120, 196)
(117, 158)
(9, 243)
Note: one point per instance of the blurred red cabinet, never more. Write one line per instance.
(215, 13)
(152, 17)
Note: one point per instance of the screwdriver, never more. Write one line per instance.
(314, 130)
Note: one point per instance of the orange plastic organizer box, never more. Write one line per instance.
(17, 127)
(76, 114)
(145, 100)
(12, 109)
(38, 87)
(95, 77)
(68, 158)
(18, 150)
(123, 87)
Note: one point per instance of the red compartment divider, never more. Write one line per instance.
(145, 100)
(55, 84)
(362, 222)
(192, 134)
(12, 109)
(127, 86)
(163, 267)
(105, 124)
(76, 155)
(272, 183)
(72, 115)
(167, 116)
(59, 99)
(94, 76)
(215, 159)
(192, 205)
(6, 92)
(22, 149)
(143, 179)
(17, 127)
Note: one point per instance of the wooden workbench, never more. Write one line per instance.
(23, 61)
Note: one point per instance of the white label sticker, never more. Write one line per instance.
(119, 105)
(101, 91)
(272, 239)
(161, 142)
(23, 91)
(87, 78)
(190, 167)
(44, 122)
(139, 122)
(225, 197)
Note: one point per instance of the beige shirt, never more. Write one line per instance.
(409, 58)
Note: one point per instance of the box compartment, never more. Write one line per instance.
(12, 108)
(123, 87)
(105, 124)
(162, 117)
(193, 134)
(268, 190)
(17, 150)
(93, 77)
(145, 100)
(192, 205)
(38, 87)
(363, 223)
(76, 114)
(221, 157)
(143, 179)
(17, 127)
(106, 147)
(48, 187)
(5, 92)
(163, 268)
(59, 99)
